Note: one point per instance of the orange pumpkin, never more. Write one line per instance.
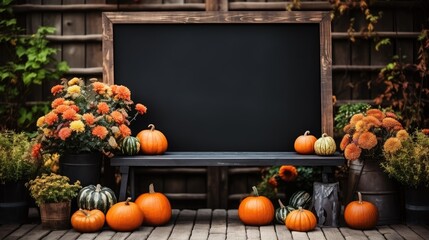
(86, 221)
(304, 144)
(256, 210)
(152, 141)
(361, 214)
(155, 206)
(124, 216)
(301, 220)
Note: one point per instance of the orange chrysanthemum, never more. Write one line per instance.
(391, 124)
(377, 113)
(352, 152)
(391, 115)
(141, 109)
(56, 102)
(51, 118)
(288, 173)
(35, 150)
(99, 87)
(100, 131)
(125, 130)
(88, 118)
(345, 141)
(123, 92)
(355, 118)
(402, 135)
(103, 108)
(273, 181)
(392, 145)
(371, 121)
(117, 117)
(57, 89)
(64, 133)
(367, 140)
(69, 114)
(75, 107)
(361, 126)
(348, 127)
(425, 131)
(61, 108)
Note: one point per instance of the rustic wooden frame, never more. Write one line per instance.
(284, 17)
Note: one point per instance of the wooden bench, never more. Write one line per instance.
(127, 164)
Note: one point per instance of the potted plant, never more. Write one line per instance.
(86, 121)
(365, 136)
(407, 161)
(16, 168)
(53, 194)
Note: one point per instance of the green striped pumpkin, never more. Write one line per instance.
(130, 145)
(282, 212)
(96, 197)
(300, 199)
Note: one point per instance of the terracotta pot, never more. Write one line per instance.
(55, 216)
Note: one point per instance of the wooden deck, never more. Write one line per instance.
(217, 224)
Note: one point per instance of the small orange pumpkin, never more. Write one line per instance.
(301, 220)
(304, 144)
(361, 214)
(86, 221)
(155, 206)
(256, 210)
(124, 216)
(152, 141)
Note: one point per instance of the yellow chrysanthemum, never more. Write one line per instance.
(77, 126)
(74, 91)
(73, 81)
(40, 121)
(392, 145)
(402, 135)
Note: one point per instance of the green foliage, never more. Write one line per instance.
(29, 61)
(346, 111)
(53, 188)
(410, 164)
(16, 163)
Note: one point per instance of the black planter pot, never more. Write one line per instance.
(14, 205)
(85, 167)
(417, 205)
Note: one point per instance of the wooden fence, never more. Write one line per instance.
(78, 35)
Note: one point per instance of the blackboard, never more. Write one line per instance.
(242, 81)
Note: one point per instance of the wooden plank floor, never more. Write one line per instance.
(207, 224)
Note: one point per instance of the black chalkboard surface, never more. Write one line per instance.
(217, 86)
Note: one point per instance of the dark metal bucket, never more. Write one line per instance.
(376, 187)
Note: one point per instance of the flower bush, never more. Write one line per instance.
(288, 179)
(367, 134)
(408, 161)
(52, 188)
(86, 118)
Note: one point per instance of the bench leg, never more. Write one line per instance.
(123, 170)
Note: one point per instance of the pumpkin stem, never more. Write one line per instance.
(281, 204)
(255, 191)
(306, 133)
(324, 135)
(359, 197)
(127, 202)
(98, 188)
(84, 212)
(151, 188)
(300, 209)
(151, 126)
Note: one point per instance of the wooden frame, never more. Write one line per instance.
(109, 19)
